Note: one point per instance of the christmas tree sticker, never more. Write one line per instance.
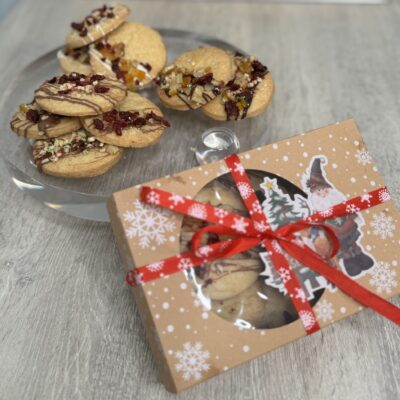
(281, 210)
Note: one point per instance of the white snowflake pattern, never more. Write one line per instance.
(239, 168)
(192, 361)
(300, 294)
(326, 213)
(307, 319)
(260, 226)
(363, 157)
(220, 213)
(155, 266)
(383, 278)
(324, 310)
(384, 195)
(276, 247)
(383, 225)
(352, 209)
(245, 189)
(240, 225)
(256, 207)
(204, 251)
(185, 263)
(284, 275)
(366, 198)
(135, 277)
(197, 211)
(176, 199)
(153, 198)
(148, 223)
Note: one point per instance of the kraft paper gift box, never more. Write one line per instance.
(206, 320)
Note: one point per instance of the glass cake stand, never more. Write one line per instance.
(86, 198)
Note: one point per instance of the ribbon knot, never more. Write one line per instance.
(237, 234)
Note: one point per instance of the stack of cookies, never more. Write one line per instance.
(81, 123)
(234, 287)
(106, 44)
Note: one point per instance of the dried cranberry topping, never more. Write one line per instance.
(147, 66)
(97, 77)
(110, 15)
(32, 116)
(78, 26)
(83, 32)
(53, 80)
(98, 124)
(203, 80)
(101, 89)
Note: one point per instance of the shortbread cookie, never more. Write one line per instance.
(34, 123)
(80, 95)
(195, 78)
(135, 122)
(74, 60)
(246, 95)
(96, 25)
(75, 155)
(224, 278)
(133, 53)
(260, 307)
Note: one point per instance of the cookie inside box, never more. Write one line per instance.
(245, 289)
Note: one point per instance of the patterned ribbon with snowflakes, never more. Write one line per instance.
(247, 232)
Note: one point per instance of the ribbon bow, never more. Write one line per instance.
(246, 233)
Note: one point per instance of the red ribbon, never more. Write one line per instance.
(247, 233)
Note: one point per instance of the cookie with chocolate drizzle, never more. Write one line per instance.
(80, 95)
(133, 53)
(135, 122)
(224, 278)
(33, 122)
(75, 155)
(75, 60)
(246, 95)
(195, 78)
(96, 25)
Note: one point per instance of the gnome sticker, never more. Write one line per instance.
(322, 195)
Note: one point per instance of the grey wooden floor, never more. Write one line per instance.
(69, 328)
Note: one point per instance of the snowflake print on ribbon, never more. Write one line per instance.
(260, 226)
(352, 209)
(307, 319)
(239, 168)
(324, 310)
(155, 266)
(256, 207)
(366, 198)
(363, 157)
(277, 248)
(192, 361)
(176, 199)
(284, 274)
(197, 211)
(220, 213)
(245, 189)
(240, 225)
(326, 213)
(383, 225)
(148, 223)
(384, 195)
(203, 251)
(185, 263)
(383, 278)
(153, 198)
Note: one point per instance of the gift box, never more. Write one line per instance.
(213, 298)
